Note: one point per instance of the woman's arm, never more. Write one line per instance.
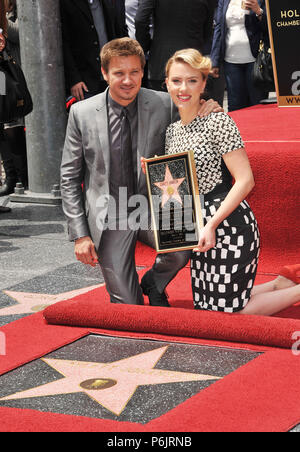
(238, 164)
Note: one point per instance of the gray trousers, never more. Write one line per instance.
(117, 260)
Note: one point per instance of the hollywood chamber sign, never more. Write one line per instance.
(284, 29)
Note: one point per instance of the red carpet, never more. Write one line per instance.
(260, 396)
(268, 123)
(93, 310)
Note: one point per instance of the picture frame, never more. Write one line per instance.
(175, 202)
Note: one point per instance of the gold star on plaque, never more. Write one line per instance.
(169, 187)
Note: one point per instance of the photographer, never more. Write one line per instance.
(13, 144)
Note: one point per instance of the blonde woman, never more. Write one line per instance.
(224, 264)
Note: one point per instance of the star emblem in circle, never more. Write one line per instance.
(112, 385)
(169, 187)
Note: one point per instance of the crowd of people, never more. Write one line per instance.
(219, 28)
(214, 27)
(179, 49)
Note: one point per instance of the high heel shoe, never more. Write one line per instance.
(291, 272)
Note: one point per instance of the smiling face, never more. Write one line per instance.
(124, 77)
(185, 85)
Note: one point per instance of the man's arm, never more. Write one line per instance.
(142, 23)
(72, 169)
(208, 26)
(72, 73)
(120, 18)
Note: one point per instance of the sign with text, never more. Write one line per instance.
(284, 28)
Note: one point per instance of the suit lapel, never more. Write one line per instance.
(102, 125)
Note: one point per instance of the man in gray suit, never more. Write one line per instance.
(106, 137)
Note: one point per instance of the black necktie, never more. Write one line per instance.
(127, 161)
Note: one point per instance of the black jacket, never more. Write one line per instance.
(81, 44)
(177, 24)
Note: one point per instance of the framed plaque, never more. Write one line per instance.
(284, 30)
(175, 201)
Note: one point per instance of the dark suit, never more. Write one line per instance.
(178, 24)
(121, 15)
(81, 43)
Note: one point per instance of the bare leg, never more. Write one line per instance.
(269, 303)
(277, 284)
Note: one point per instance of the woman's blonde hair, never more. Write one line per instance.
(192, 57)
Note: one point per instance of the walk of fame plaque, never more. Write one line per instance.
(174, 201)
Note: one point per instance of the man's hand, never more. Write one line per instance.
(215, 72)
(208, 107)
(85, 251)
(77, 90)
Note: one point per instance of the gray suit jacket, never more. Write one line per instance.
(86, 157)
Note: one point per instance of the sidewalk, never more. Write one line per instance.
(36, 256)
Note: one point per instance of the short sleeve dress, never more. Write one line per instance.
(223, 277)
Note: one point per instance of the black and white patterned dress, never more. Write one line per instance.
(223, 277)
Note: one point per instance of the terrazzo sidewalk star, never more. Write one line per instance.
(29, 303)
(112, 385)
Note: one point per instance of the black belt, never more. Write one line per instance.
(220, 190)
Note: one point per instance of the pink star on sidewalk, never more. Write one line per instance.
(112, 385)
(29, 303)
(169, 187)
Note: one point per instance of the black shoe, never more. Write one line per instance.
(5, 209)
(149, 288)
(7, 188)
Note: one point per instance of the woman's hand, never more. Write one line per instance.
(207, 239)
(143, 165)
(253, 5)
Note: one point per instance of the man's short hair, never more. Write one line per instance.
(120, 48)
